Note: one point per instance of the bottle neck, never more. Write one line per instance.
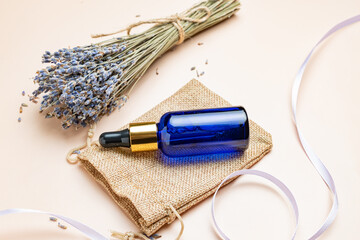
(143, 136)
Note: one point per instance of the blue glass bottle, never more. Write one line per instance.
(187, 133)
(204, 131)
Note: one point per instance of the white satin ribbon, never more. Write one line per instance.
(314, 159)
(267, 176)
(91, 233)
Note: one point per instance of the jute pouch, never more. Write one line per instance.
(145, 184)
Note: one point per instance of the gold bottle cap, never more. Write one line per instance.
(143, 136)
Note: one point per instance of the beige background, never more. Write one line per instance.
(253, 59)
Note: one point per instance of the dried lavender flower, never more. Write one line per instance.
(155, 236)
(82, 84)
(62, 226)
(192, 68)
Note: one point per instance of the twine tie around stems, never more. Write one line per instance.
(175, 19)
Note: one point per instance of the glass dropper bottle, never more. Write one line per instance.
(186, 133)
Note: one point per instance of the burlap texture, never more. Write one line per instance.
(144, 184)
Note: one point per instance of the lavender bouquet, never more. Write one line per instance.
(82, 84)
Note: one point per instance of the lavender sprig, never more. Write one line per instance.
(82, 84)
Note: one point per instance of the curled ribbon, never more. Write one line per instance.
(265, 175)
(314, 159)
(91, 233)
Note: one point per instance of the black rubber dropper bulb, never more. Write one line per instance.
(115, 139)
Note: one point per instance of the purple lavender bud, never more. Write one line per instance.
(109, 91)
(106, 75)
(124, 98)
(77, 88)
(119, 71)
(49, 69)
(71, 84)
(103, 88)
(75, 70)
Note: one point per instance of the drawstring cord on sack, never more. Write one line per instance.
(129, 236)
(70, 158)
(173, 211)
(133, 236)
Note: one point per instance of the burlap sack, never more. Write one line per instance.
(145, 184)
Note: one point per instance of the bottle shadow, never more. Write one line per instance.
(197, 159)
(163, 159)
